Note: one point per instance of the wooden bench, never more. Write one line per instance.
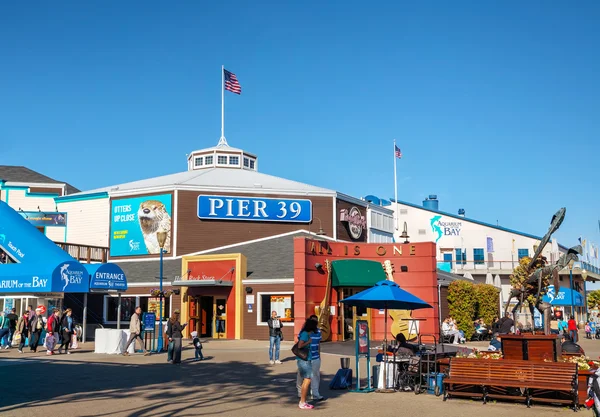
(550, 382)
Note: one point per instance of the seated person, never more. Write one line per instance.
(403, 347)
(495, 343)
(448, 330)
(568, 346)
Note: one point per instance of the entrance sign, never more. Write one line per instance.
(108, 277)
(259, 209)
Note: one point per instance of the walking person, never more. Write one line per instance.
(197, 346)
(12, 325)
(22, 330)
(52, 328)
(36, 326)
(305, 366)
(572, 326)
(275, 337)
(315, 349)
(66, 325)
(4, 330)
(135, 332)
(174, 332)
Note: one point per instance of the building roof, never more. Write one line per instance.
(13, 173)
(217, 179)
(466, 219)
(270, 258)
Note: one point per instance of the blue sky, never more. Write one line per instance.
(495, 105)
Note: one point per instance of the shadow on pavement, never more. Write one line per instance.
(181, 389)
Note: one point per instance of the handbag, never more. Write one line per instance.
(301, 353)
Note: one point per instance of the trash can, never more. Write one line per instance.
(435, 385)
(375, 376)
(345, 363)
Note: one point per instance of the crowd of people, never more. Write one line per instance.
(28, 329)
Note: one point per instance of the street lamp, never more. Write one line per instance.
(571, 264)
(161, 236)
(584, 275)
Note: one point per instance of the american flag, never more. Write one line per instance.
(398, 152)
(231, 82)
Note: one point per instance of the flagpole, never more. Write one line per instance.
(222, 101)
(395, 187)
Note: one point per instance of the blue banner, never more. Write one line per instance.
(564, 297)
(37, 219)
(134, 223)
(258, 209)
(108, 277)
(68, 277)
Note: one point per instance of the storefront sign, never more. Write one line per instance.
(444, 228)
(254, 209)
(356, 221)
(108, 277)
(211, 270)
(38, 219)
(318, 247)
(134, 223)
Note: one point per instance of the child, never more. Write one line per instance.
(198, 346)
(593, 329)
(588, 330)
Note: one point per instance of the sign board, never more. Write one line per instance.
(9, 303)
(39, 219)
(355, 220)
(149, 321)
(362, 327)
(250, 299)
(109, 277)
(259, 209)
(42, 309)
(134, 223)
(250, 306)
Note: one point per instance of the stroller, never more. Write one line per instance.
(408, 373)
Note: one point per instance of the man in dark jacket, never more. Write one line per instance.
(36, 326)
(275, 337)
(505, 324)
(568, 346)
(12, 325)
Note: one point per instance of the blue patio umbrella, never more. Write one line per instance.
(386, 295)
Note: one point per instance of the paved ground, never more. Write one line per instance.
(236, 381)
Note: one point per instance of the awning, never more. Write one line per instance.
(356, 273)
(565, 297)
(107, 277)
(202, 283)
(66, 277)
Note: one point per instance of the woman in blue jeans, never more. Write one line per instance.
(275, 337)
(305, 366)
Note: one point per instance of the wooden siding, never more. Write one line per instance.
(342, 227)
(87, 221)
(194, 235)
(58, 191)
(252, 331)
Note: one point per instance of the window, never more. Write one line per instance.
(283, 304)
(234, 160)
(199, 161)
(251, 164)
(448, 258)
(208, 160)
(523, 253)
(128, 305)
(222, 160)
(478, 256)
(246, 162)
(461, 257)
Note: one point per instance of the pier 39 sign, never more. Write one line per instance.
(260, 209)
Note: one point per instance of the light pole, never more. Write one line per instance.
(571, 264)
(161, 236)
(584, 275)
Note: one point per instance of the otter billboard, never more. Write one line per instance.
(135, 222)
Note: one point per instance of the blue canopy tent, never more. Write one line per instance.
(386, 295)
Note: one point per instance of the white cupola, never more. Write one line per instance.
(222, 156)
